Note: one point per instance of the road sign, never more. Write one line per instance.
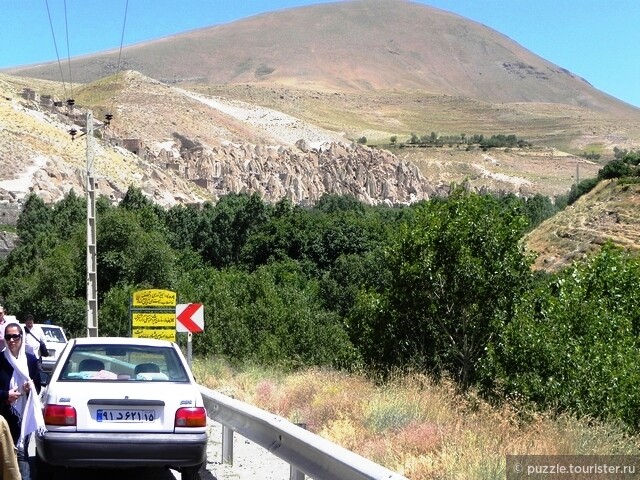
(190, 317)
(157, 333)
(153, 314)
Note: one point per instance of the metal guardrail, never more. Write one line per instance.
(315, 456)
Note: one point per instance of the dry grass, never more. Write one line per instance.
(412, 425)
(610, 212)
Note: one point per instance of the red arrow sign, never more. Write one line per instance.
(190, 317)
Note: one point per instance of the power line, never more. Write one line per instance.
(55, 44)
(124, 23)
(115, 84)
(66, 26)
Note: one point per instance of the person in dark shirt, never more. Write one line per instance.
(19, 388)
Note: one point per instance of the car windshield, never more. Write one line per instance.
(120, 362)
(53, 334)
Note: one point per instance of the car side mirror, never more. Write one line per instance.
(44, 378)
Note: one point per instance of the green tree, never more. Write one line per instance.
(271, 316)
(114, 312)
(454, 275)
(182, 224)
(573, 344)
(615, 169)
(130, 254)
(34, 219)
(226, 227)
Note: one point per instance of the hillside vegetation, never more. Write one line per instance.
(442, 287)
(410, 423)
(609, 213)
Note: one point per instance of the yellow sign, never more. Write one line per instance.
(149, 319)
(157, 333)
(154, 298)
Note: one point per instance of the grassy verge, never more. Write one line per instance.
(411, 424)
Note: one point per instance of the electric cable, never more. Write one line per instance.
(66, 26)
(115, 84)
(55, 44)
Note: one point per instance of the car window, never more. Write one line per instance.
(140, 363)
(53, 334)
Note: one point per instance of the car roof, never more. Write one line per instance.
(122, 341)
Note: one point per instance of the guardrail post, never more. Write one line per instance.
(294, 473)
(227, 445)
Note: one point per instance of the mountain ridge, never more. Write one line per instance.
(352, 45)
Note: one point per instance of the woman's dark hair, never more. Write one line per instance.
(14, 324)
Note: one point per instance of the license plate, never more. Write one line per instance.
(135, 416)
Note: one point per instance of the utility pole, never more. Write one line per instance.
(92, 263)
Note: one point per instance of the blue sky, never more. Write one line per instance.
(598, 40)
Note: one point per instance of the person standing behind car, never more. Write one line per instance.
(19, 403)
(3, 323)
(33, 335)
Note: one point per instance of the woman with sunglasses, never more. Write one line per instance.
(19, 388)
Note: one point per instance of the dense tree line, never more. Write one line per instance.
(443, 286)
(494, 141)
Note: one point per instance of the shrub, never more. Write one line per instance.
(614, 169)
(573, 344)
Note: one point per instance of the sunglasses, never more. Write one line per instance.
(12, 336)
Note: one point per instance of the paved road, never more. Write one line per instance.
(128, 474)
(251, 462)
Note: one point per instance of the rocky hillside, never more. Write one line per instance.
(38, 155)
(182, 147)
(610, 212)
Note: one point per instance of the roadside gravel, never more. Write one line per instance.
(250, 461)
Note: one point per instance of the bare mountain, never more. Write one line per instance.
(380, 68)
(351, 45)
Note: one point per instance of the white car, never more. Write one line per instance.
(56, 340)
(122, 402)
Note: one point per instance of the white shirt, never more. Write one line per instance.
(3, 325)
(32, 344)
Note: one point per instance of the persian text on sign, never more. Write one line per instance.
(150, 319)
(154, 298)
(157, 333)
